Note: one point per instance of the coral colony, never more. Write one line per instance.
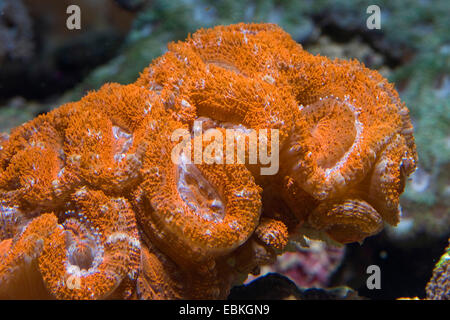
(93, 205)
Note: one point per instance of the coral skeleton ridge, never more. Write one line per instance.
(93, 206)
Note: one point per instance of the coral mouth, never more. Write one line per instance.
(223, 64)
(81, 245)
(332, 132)
(318, 153)
(123, 141)
(198, 193)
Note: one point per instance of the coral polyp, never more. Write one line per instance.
(95, 203)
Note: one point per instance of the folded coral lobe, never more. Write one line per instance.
(198, 211)
(98, 198)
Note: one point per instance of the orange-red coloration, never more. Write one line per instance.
(92, 204)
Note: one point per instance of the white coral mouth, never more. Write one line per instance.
(123, 142)
(197, 192)
(83, 248)
(322, 160)
(11, 220)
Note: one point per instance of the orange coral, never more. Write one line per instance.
(95, 203)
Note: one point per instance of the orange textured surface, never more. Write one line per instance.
(92, 205)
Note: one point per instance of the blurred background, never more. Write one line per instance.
(44, 64)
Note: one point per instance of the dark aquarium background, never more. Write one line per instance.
(43, 64)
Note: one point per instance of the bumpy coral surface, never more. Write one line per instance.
(94, 203)
(438, 288)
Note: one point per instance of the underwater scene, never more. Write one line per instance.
(224, 150)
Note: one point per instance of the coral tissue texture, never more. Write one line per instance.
(93, 206)
(438, 288)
